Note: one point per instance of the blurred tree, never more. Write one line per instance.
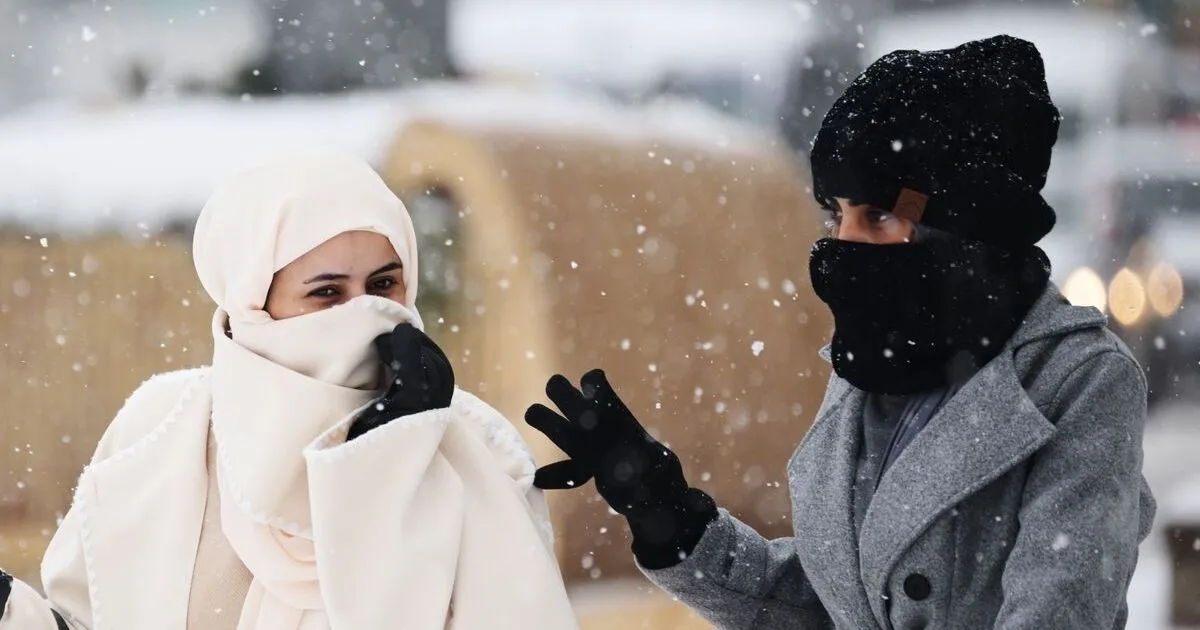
(320, 46)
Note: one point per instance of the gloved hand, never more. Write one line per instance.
(422, 379)
(638, 476)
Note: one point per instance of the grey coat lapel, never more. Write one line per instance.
(984, 431)
(821, 475)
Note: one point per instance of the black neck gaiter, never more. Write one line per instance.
(916, 316)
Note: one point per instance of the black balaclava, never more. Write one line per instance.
(921, 315)
(957, 141)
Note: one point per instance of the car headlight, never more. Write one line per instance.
(1085, 288)
(1164, 288)
(1126, 297)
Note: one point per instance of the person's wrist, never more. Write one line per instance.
(667, 533)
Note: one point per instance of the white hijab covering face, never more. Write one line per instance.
(279, 385)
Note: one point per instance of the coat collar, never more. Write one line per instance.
(988, 427)
(150, 495)
(1052, 316)
(821, 477)
(985, 430)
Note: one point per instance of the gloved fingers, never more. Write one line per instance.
(439, 376)
(566, 397)
(555, 427)
(383, 347)
(561, 475)
(429, 344)
(596, 388)
(437, 364)
(593, 383)
(406, 353)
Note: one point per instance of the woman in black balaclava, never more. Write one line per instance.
(977, 460)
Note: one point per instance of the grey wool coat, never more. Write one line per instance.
(1020, 505)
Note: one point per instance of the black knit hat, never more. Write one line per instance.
(957, 139)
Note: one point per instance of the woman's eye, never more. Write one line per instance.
(323, 292)
(879, 216)
(384, 284)
(833, 219)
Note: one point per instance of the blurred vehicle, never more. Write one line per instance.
(1183, 97)
(771, 63)
(1103, 69)
(1145, 267)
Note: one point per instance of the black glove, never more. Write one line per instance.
(6, 581)
(638, 476)
(422, 379)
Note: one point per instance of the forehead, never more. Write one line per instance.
(852, 204)
(348, 252)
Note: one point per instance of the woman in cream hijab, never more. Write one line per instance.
(323, 473)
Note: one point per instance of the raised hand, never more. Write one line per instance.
(422, 379)
(637, 475)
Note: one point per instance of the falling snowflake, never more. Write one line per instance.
(757, 347)
(1061, 541)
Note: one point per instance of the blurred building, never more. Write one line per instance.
(324, 46)
(121, 49)
(101, 52)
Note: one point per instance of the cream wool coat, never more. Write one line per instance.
(123, 557)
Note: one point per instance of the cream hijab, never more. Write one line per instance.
(278, 386)
(266, 217)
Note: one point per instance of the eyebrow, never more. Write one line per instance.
(327, 277)
(392, 266)
(333, 277)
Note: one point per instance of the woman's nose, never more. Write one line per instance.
(352, 293)
(854, 230)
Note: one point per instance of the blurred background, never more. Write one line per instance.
(595, 182)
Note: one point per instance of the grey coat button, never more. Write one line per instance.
(917, 587)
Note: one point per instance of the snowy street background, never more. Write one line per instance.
(505, 125)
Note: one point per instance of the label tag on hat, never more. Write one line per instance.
(910, 205)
